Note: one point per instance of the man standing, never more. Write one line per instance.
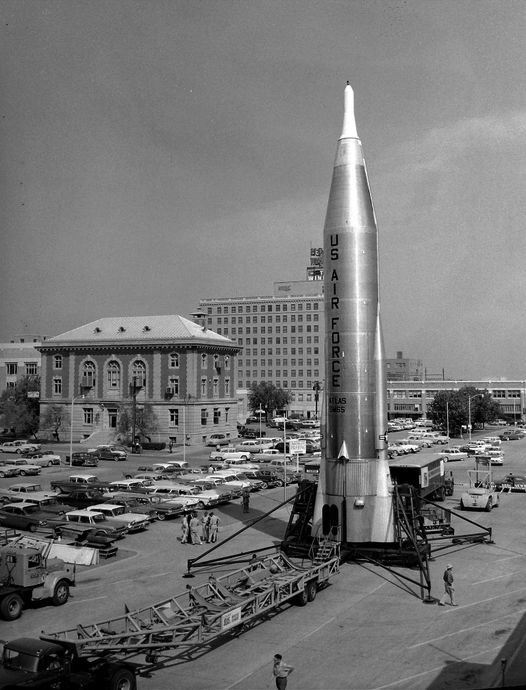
(194, 529)
(281, 672)
(213, 523)
(246, 500)
(185, 530)
(205, 527)
(448, 586)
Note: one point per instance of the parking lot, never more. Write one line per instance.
(368, 629)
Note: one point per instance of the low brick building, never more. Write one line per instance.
(184, 371)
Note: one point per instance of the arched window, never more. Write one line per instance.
(139, 372)
(114, 374)
(88, 374)
(204, 360)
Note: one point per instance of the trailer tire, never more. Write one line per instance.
(312, 590)
(122, 679)
(11, 607)
(60, 593)
(302, 599)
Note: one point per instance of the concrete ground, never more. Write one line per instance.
(369, 629)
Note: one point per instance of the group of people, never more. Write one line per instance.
(199, 531)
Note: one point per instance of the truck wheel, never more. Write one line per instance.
(11, 607)
(489, 505)
(302, 598)
(60, 593)
(312, 590)
(122, 679)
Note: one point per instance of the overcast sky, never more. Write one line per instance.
(161, 151)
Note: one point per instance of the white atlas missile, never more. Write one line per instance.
(354, 494)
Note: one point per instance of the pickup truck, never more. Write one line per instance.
(230, 453)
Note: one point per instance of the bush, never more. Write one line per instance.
(153, 446)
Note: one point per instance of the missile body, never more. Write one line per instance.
(354, 488)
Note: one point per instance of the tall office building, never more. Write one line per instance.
(282, 336)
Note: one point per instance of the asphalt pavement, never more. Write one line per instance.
(369, 629)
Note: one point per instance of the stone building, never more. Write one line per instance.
(183, 371)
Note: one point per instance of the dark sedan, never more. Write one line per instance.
(81, 498)
(512, 436)
(27, 517)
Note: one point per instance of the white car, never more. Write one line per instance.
(44, 458)
(495, 455)
(405, 447)
(134, 522)
(416, 440)
(452, 454)
(254, 446)
(25, 467)
(19, 447)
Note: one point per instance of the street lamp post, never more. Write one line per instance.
(71, 429)
(260, 412)
(469, 411)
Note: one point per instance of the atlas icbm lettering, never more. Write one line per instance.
(354, 488)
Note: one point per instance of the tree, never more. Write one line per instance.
(268, 397)
(20, 412)
(146, 421)
(451, 409)
(54, 418)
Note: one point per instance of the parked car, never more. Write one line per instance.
(81, 498)
(104, 525)
(405, 448)
(83, 460)
(8, 470)
(18, 516)
(495, 455)
(25, 467)
(44, 458)
(512, 435)
(253, 446)
(110, 452)
(218, 440)
(46, 503)
(452, 454)
(417, 440)
(134, 522)
(267, 481)
(153, 506)
(24, 488)
(19, 447)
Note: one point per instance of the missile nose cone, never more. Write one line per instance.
(349, 123)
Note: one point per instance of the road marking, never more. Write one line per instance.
(499, 577)
(144, 577)
(465, 630)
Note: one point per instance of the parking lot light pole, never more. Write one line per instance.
(260, 412)
(71, 429)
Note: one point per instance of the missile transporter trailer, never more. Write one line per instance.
(27, 574)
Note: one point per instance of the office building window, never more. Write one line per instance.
(57, 385)
(173, 360)
(57, 362)
(173, 383)
(11, 368)
(217, 415)
(227, 386)
(88, 415)
(31, 368)
(204, 360)
(204, 416)
(203, 385)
